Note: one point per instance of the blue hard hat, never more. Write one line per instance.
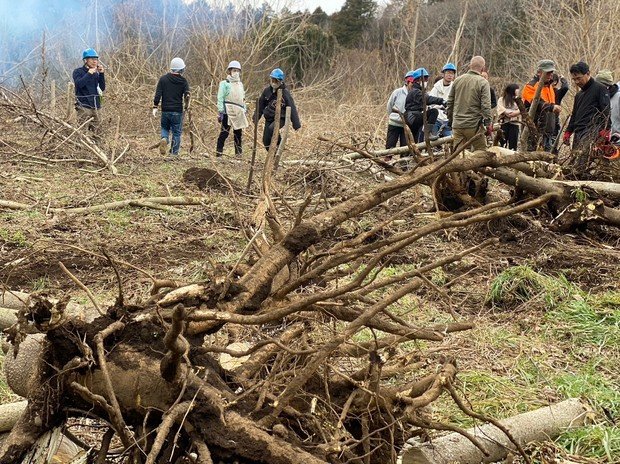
(89, 53)
(449, 67)
(420, 73)
(409, 74)
(277, 74)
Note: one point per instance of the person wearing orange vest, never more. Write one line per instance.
(546, 110)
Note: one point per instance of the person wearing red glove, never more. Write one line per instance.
(590, 119)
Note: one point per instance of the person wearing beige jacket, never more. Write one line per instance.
(509, 116)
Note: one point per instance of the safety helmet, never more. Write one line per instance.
(419, 73)
(177, 65)
(409, 74)
(449, 67)
(277, 74)
(89, 53)
(234, 64)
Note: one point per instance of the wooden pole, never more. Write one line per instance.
(53, 96)
(285, 131)
(70, 101)
(254, 144)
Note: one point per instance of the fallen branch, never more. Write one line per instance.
(541, 424)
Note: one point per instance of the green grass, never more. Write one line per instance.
(597, 441)
(589, 320)
(16, 238)
(521, 284)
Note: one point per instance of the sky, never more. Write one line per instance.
(329, 6)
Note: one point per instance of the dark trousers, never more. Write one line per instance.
(224, 131)
(268, 133)
(511, 135)
(416, 121)
(394, 136)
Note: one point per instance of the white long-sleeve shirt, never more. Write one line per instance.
(442, 91)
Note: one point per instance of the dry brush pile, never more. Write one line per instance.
(306, 386)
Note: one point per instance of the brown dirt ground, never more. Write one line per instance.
(179, 244)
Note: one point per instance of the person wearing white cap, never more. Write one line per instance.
(172, 89)
(231, 108)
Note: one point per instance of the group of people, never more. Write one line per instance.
(464, 107)
(467, 105)
(173, 93)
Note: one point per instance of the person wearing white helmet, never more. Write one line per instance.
(172, 90)
(231, 108)
(89, 81)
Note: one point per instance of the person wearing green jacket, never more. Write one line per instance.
(231, 108)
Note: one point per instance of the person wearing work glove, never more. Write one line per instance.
(267, 107)
(590, 120)
(231, 109)
(172, 90)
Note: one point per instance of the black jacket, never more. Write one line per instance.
(561, 92)
(590, 110)
(86, 84)
(171, 89)
(413, 102)
(267, 106)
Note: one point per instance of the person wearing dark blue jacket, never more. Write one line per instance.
(414, 106)
(267, 107)
(89, 81)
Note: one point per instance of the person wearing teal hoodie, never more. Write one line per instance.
(231, 109)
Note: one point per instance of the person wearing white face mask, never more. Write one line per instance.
(231, 108)
(267, 106)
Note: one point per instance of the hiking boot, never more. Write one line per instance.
(219, 154)
(163, 147)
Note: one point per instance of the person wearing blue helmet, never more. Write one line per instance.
(395, 106)
(414, 106)
(89, 81)
(442, 89)
(267, 107)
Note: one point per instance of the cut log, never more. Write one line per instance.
(542, 424)
(10, 413)
(8, 317)
(13, 300)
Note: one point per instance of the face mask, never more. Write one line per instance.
(275, 86)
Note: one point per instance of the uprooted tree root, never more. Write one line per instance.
(308, 390)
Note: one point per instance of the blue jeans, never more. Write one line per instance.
(172, 122)
(446, 131)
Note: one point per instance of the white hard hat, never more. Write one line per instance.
(234, 64)
(177, 64)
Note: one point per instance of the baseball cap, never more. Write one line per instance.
(546, 65)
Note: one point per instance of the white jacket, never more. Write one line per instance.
(442, 91)
(397, 99)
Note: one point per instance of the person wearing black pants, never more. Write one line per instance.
(414, 106)
(224, 132)
(267, 107)
(509, 116)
